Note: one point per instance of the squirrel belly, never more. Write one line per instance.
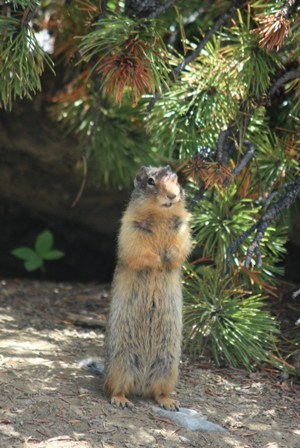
(143, 339)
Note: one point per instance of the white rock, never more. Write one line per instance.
(189, 419)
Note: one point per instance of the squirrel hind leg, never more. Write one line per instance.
(166, 402)
(117, 386)
(162, 383)
(121, 401)
(161, 390)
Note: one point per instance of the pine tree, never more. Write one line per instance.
(211, 88)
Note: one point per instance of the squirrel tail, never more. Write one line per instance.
(92, 365)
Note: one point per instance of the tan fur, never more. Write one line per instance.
(144, 328)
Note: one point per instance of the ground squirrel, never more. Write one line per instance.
(143, 340)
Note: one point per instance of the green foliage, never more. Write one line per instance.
(218, 223)
(31, 4)
(228, 323)
(277, 159)
(21, 61)
(110, 65)
(43, 251)
(254, 65)
(198, 107)
(112, 138)
(130, 55)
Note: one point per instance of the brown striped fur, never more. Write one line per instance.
(145, 322)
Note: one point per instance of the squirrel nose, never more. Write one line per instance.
(171, 196)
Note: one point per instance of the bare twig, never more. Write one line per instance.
(263, 100)
(224, 145)
(145, 8)
(103, 8)
(83, 182)
(102, 13)
(161, 9)
(27, 16)
(267, 201)
(217, 25)
(196, 198)
(268, 217)
(288, 76)
(288, 7)
(296, 293)
(258, 257)
(239, 240)
(262, 224)
(244, 161)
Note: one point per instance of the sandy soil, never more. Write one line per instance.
(46, 400)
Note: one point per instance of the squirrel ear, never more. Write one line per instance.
(140, 175)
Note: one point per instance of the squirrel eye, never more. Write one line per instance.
(151, 181)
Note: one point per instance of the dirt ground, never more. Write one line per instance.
(46, 400)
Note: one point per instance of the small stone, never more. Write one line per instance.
(189, 419)
(83, 391)
(184, 439)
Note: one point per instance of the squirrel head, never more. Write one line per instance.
(160, 185)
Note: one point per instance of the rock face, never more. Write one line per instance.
(40, 177)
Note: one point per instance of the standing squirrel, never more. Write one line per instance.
(143, 340)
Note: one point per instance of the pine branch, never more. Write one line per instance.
(141, 8)
(239, 240)
(225, 142)
(194, 54)
(244, 161)
(296, 293)
(103, 9)
(187, 22)
(102, 14)
(273, 28)
(262, 224)
(27, 16)
(217, 25)
(196, 198)
(161, 9)
(268, 217)
(270, 198)
(228, 134)
(225, 146)
(265, 98)
(288, 7)
(288, 76)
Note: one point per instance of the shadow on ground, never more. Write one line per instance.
(47, 401)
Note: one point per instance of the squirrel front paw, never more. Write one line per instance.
(144, 259)
(171, 258)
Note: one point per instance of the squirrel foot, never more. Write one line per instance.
(121, 401)
(167, 403)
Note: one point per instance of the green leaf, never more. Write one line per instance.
(44, 243)
(24, 253)
(54, 255)
(33, 263)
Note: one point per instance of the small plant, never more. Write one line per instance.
(43, 250)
